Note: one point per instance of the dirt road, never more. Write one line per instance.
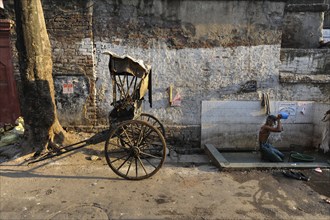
(76, 188)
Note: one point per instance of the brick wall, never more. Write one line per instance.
(69, 25)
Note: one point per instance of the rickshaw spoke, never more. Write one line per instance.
(154, 145)
(118, 159)
(134, 130)
(136, 167)
(117, 145)
(129, 135)
(150, 155)
(142, 137)
(142, 165)
(150, 163)
(153, 121)
(129, 166)
(125, 142)
(139, 139)
(147, 132)
(124, 162)
(128, 138)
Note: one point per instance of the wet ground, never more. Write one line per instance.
(317, 181)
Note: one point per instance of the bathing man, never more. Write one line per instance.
(269, 152)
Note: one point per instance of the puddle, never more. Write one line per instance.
(319, 182)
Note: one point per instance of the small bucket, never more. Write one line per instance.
(284, 115)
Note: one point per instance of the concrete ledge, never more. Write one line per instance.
(221, 162)
(187, 160)
(319, 7)
(215, 156)
(270, 165)
(286, 77)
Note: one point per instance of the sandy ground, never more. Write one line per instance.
(73, 187)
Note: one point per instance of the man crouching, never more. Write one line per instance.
(268, 151)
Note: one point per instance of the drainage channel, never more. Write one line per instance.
(248, 160)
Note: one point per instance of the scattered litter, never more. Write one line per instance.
(9, 138)
(94, 158)
(11, 135)
(318, 170)
(295, 175)
(327, 200)
(19, 128)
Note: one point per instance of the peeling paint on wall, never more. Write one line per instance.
(208, 50)
(199, 74)
(71, 97)
(189, 24)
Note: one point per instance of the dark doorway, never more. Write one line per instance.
(9, 103)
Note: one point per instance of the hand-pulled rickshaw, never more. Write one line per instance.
(135, 146)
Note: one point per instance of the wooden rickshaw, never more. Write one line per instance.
(135, 146)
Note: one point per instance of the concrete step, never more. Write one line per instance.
(248, 160)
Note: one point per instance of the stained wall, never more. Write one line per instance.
(213, 50)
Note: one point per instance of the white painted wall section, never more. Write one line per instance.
(234, 125)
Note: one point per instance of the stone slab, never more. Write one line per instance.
(220, 161)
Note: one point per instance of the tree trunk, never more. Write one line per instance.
(38, 101)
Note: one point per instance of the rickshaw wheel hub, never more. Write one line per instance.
(136, 151)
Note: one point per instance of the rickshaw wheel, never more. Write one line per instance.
(153, 121)
(135, 150)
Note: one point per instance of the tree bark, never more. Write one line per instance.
(38, 101)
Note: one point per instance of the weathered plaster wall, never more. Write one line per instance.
(206, 50)
(197, 74)
(303, 24)
(187, 24)
(305, 61)
(305, 75)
